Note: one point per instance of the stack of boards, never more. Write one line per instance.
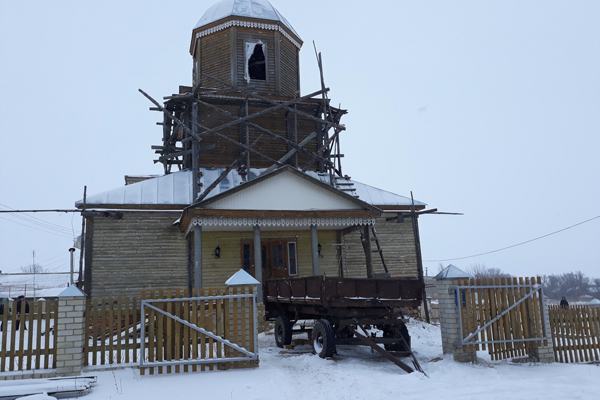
(46, 389)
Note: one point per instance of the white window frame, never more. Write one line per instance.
(248, 51)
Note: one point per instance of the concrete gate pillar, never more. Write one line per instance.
(70, 332)
(544, 353)
(446, 282)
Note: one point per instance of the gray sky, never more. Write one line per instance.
(482, 107)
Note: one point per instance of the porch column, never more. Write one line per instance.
(197, 257)
(314, 243)
(368, 251)
(258, 261)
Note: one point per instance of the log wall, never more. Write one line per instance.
(214, 58)
(222, 55)
(398, 245)
(276, 122)
(141, 251)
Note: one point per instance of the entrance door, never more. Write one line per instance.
(278, 258)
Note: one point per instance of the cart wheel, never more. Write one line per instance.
(283, 331)
(323, 339)
(397, 331)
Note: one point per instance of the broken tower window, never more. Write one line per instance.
(256, 67)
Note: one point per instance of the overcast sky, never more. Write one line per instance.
(487, 108)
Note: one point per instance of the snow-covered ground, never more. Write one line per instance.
(356, 373)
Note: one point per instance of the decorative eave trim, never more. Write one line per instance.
(248, 24)
(280, 222)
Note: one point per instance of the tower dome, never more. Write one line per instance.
(257, 9)
(248, 44)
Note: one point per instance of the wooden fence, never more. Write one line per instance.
(228, 332)
(506, 313)
(113, 326)
(33, 346)
(115, 329)
(575, 333)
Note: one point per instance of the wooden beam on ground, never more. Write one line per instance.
(381, 351)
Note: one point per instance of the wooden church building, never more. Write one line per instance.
(252, 178)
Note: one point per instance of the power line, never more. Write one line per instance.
(39, 228)
(32, 219)
(518, 244)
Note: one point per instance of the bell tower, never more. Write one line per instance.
(247, 44)
(244, 110)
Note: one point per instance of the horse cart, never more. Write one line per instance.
(345, 311)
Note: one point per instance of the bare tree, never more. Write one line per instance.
(440, 267)
(479, 270)
(33, 269)
(595, 288)
(572, 285)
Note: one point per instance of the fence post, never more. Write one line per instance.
(70, 332)
(446, 282)
(544, 353)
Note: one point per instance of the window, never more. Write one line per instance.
(246, 260)
(292, 259)
(279, 258)
(256, 66)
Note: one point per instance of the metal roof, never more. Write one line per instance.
(452, 272)
(260, 9)
(176, 189)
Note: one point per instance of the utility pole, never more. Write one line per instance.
(34, 271)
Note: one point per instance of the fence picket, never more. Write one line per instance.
(112, 325)
(575, 333)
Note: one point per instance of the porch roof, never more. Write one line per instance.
(285, 197)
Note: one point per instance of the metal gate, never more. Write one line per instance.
(217, 329)
(504, 315)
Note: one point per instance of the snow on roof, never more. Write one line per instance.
(451, 272)
(72, 291)
(176, 189)
(241, 278)
(46, 285)
(260, 9)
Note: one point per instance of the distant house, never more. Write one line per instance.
(46, 285)
(258, 184)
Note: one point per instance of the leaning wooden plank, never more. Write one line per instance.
(383, 352)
